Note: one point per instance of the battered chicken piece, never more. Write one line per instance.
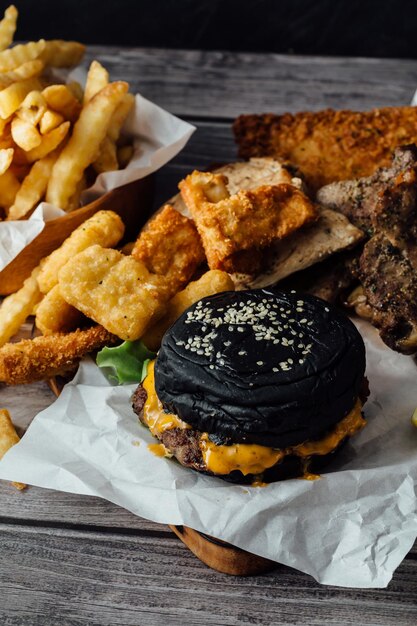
(170, 246)
(213, 281)
(234, 228)
(114, 290)
(35, 359)
(328, 145)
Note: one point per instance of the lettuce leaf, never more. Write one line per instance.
(126, 363)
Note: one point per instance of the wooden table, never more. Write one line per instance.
(73, 560)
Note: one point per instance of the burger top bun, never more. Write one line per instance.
(261, 366)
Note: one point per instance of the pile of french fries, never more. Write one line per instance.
(54, 138)
(88, 293)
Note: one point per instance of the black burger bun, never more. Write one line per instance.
(261, 366)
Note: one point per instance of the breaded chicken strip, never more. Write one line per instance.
(234, 227)
(328, 145)
(35, 359)
(170, 246)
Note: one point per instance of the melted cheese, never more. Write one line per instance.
(154, 415)
(253, 459)
(158, 449)
(246, 457)
(345, 428)
(249, 458)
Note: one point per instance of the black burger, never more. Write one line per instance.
(255, 385)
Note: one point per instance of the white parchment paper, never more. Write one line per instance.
(351, 528)
(157, 137)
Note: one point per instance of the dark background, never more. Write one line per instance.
(384, 28)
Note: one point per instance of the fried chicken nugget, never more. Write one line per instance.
(105, 228)
(251, 219)
(54, 315)
(170, 245)
(116, 291)
(30, 360)
(213, 281)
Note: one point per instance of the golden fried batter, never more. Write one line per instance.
(170, 246)
(114, 290)
(213, 281)
(328, 145)
(36, 359)
(54, 315)
(248, 220)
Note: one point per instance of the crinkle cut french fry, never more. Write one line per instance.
(30, 69)
(8, 434)
(49, 142)
(119, 116)
(60, 53)
(9, 186)
(50, 120)
(15, 308)
(104, 228)
(83, 146)
(61, 99)
(16, 56)
(20, 170)
(6, 157)
(43, 357)
(6, 140)
(12, 97)
(5, 123)
(97, 79)
(8, 439)
(54, 315)
(32, 188)
(32, 108)
(25, 135)
(124, 155)
(213, 281)
(107, 158)
(8, 27)
(75, 201)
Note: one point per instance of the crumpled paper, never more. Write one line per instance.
(350, 528)
(157, 137)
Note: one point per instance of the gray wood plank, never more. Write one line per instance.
(75, 578)
(25, 401)
(57, 508)
(225, 84)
